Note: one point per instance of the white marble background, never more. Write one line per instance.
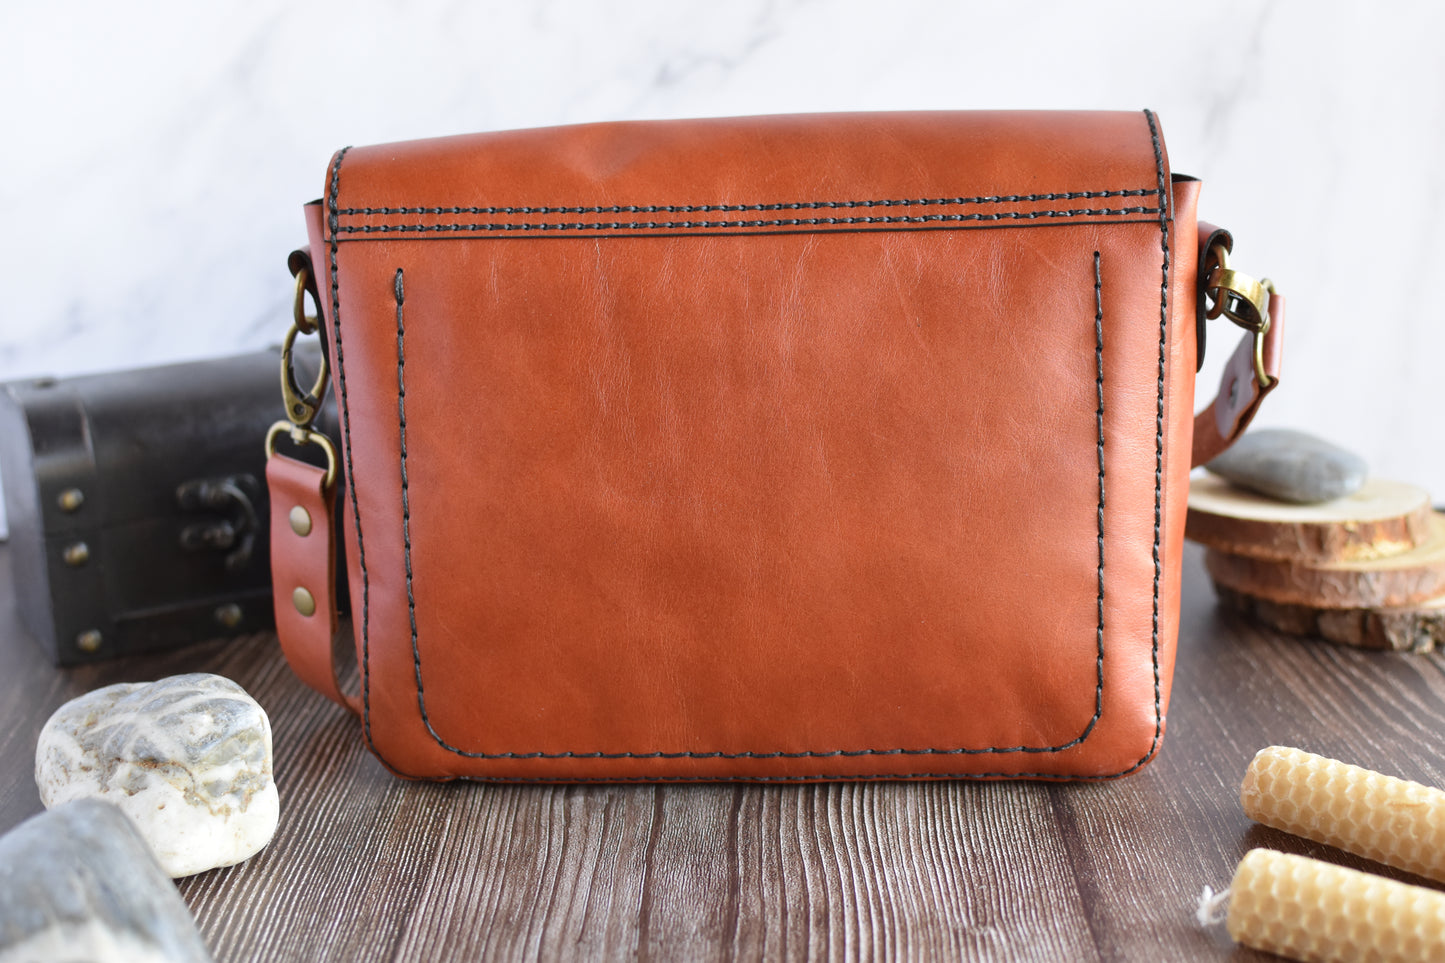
(154, 156)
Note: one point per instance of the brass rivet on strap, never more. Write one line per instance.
(303, 601)
(229, 615)
(300, 521)
(70, 500)
(89, 640)
(76, 554)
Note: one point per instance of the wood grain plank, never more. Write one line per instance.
(366, 866)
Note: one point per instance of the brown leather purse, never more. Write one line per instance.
(775, 448)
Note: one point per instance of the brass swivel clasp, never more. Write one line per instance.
(1240, 298)
(302, 406)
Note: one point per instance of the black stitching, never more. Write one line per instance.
(1165, 218)
(331, 201)
(792, 205)
(843, 230)
(1099, 417)
(822, 777)
(1158, 434)
(714, 225)
(803, 754)
(405, 490)
(1159, 413)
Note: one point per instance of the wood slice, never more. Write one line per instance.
(1407, 579)
(1382, 519)
(1411, 628)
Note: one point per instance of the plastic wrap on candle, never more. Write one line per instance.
(1392, 821)
(1318, 912)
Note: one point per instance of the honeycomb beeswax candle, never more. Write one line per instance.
(1392, 821)
(1308, 910)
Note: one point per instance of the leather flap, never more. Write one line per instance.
(819, 173)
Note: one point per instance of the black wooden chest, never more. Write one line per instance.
(137, 504)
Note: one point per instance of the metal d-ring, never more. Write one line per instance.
(304, 436)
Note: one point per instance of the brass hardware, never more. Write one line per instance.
(303, 600)
(306, 323)
(1241, 299)
(301, 406)
(300, 521)
(70, 500)
(229, 615)
(301, 435)
(89, 640)
(76, 554)
(1259, 373)
(233, 521)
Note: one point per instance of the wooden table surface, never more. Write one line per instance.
(367, 867)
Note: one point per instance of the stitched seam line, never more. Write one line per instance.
(1159, 417)
(405, 489)
(841, 231)
(504, 226)
(1158, 436)
(814, 778)
(1159, 425)
(331, 201)
(787, 206)
(1164, 221)
(1099, 418)
(803, 754)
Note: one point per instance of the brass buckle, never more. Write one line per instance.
(1240, 298)
(302, 406)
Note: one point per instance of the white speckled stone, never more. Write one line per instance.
(187, 758)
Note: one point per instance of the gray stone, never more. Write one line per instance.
(187, 758)
(79, 883)
(1291, 466)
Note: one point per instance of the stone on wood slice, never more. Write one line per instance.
(1291, 466)
(1410, 628)
(79, 883)
(1407, 579)
(187, 758)
(1382, 519)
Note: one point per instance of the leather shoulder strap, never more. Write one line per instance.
(303, 573)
